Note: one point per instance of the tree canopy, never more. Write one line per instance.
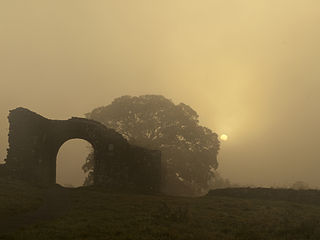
(189, 151)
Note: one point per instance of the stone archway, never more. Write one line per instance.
(34, 142)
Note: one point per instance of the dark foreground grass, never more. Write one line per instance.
(99, 215)
(17, 197)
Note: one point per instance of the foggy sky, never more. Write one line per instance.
(250, 69)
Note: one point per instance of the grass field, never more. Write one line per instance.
(17, 197)
(95, 214)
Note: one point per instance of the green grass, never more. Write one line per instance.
(96, 214)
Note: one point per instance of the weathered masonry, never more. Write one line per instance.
(34, 142)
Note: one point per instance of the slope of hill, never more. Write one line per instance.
(88, 213)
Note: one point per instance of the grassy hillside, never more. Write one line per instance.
(94, 214)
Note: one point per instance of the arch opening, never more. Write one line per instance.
(70, 159)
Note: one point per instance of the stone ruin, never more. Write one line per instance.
(34, 142)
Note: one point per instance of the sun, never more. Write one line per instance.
(224, 137)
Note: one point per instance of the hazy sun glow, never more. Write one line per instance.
(224, 137)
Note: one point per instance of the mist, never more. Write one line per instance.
(249, 68)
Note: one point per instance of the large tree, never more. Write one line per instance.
(189, 151)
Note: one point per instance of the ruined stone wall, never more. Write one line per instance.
(3, 170)
(149, 168)
(34, 142)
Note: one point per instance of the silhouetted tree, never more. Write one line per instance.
(88, 168)
(189, 151)
(219, 182)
